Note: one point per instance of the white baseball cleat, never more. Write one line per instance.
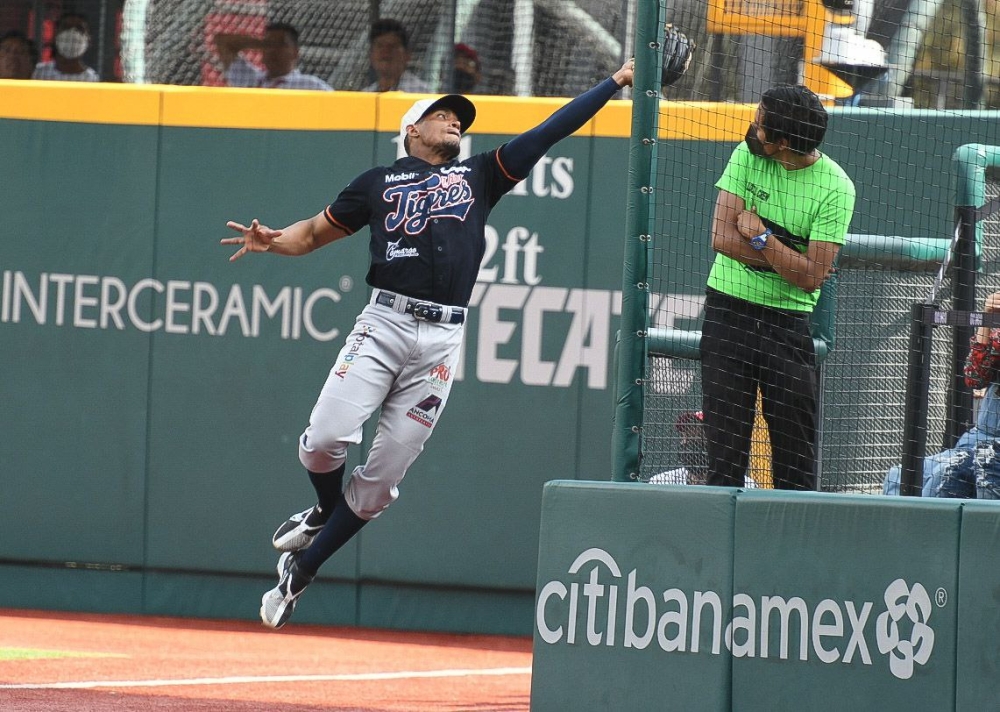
(298, 531)
(277, 605)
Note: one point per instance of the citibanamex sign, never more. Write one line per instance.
(598, 604)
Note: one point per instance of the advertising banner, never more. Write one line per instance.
(633, 585)
(680, 598)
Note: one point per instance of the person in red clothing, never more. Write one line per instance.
(971, 469)
(466, 70)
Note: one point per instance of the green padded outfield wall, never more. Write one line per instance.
(716, 599)
(152, 392)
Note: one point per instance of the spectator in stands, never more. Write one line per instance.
(390, 58)
(71, 42)
(280, 51)
(465, 73)
(972, 467)
(18, 56)
(692, 454)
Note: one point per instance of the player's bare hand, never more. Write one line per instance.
(255, 238)
(992, 303)
(625, 75)
(749, 224)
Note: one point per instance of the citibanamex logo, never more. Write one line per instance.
(598, 602)
(905, 605)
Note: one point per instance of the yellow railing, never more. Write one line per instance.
(783, 18)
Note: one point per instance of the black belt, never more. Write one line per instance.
(421, 310)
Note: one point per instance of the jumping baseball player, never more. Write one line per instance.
(427, 216)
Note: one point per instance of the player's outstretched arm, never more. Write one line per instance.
(299, 238)
(520, 155)
(624, 76)
(524, 151)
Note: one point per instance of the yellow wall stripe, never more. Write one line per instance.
(79, 102)
(705, 121)
(282, 109)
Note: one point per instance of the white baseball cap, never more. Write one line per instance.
(464, 109)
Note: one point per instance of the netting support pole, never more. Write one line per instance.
(973, 22)
(964, 285)
(971, 161)
(631, 375)
(918, 376)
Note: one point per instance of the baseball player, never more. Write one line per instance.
(427, 216)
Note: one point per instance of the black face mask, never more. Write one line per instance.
(754, 143)
(462, 82)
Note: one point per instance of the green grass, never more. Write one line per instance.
(36, 654)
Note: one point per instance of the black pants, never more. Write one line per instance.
(744, 347)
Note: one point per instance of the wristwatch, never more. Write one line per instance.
(759, 242)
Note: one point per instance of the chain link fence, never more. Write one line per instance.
(525, 47)
(864, 377)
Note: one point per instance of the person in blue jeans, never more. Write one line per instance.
(971, 469)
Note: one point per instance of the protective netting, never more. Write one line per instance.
(938, 54)
(863, 420)
(941, 53)
(864, 378)
(540, 48)
(902, 166)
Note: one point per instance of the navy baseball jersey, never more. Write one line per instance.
(427, 223)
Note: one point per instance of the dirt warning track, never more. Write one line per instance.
(50, 662)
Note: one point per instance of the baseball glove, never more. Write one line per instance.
(677, 53)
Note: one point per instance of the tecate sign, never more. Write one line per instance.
(625, 612)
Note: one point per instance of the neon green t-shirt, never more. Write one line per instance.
(812, 203)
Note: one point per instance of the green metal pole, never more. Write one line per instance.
(627, 428)
(971, 162)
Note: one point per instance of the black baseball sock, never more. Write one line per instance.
(329, 486)
(342, 525)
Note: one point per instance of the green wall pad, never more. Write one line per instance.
(763, 601)
(632, 581)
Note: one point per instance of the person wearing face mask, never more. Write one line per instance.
(71, 42)
(465, 71)
(781, 216)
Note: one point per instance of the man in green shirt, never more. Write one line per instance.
(781, 216)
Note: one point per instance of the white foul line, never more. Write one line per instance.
(355, 677)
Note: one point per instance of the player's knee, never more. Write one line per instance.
(368, 498)
(321, 454)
